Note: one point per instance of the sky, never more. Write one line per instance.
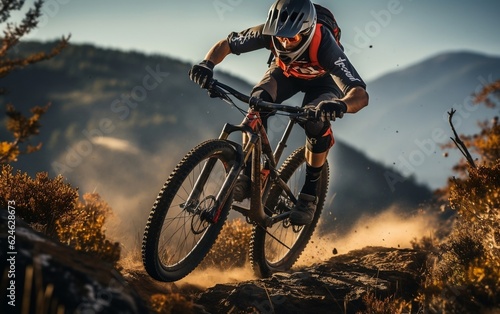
(380, 36)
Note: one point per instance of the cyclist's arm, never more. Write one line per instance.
(332, 58)
(218, 52)
(245, 41)
(355, 99)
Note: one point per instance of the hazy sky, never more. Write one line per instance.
(401, 32)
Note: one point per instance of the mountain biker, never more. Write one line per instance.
(331, 85)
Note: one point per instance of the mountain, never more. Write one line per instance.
(119, 122)
(407, 120)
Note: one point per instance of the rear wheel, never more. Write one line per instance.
(179, 233)
(278, 247)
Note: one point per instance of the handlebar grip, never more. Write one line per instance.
(212, 84)
(314, 114)
(319, 116)
(254, 102)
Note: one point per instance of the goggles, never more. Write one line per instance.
(290, 40)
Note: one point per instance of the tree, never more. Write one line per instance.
(21, 127)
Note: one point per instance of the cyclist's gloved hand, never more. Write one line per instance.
(331, 109)
(202, 73)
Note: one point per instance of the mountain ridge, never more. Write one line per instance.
(408, 106)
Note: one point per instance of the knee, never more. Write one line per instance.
(319, 138)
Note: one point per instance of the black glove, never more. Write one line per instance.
(202, 73)
(331, 109)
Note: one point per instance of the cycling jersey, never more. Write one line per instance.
(331, 58)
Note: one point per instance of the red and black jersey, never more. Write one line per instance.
(324, 56)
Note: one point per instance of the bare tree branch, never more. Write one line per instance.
(458, 142)
(6, 6)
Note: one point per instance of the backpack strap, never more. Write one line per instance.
(272, 55)
(314, 45)
(270, 59)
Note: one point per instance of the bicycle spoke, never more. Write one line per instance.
(275, 238)
(184, 226)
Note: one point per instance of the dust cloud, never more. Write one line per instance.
(129, 182)
(209, 277)
(391, 228)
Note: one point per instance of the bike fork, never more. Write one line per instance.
(220, 199)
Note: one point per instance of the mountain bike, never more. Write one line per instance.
(195, 201)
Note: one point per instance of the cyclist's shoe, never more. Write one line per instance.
(242, 188)
(303, 212)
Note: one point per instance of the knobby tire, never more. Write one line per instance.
(176, 238)
(268, 253)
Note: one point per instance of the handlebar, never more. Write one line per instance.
(218, 89)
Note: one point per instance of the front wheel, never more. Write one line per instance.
(278, 247)
(179, 232)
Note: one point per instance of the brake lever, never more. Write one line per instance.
(214, 91)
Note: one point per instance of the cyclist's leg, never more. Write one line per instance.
(274, 87)
(319, 140)
(319, 134)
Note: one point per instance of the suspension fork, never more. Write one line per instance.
(223, 194)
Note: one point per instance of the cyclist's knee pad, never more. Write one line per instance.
(319, 137)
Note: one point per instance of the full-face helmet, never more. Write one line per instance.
(291, 19)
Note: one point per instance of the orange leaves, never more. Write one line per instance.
(22, 128)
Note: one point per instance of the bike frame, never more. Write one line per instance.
(262, 178)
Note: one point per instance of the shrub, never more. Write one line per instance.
(231, 248)
(171, 303)
(40, 201)
(471, 258)
(52, 207)
(388, 305)
(83, 229)
(465, 275)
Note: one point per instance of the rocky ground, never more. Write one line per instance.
(51, 276)
(335, 286)
(42, 276)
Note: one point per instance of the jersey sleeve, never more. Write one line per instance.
(333, 59)
(248, 40)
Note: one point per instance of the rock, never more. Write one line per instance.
(52, 277)
(335, 286)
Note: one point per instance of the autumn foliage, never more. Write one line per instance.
(53, 207)
(21, 127)
(465, 274)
